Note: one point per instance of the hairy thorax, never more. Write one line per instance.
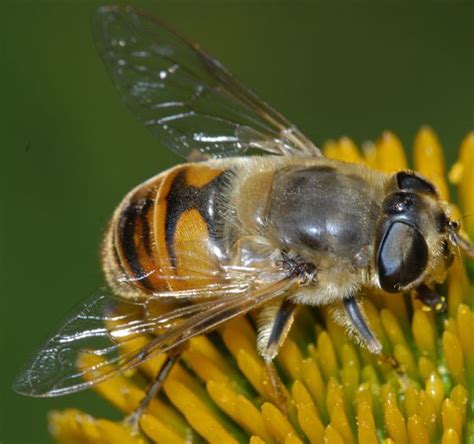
(321, 211)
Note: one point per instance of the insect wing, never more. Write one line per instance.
(186, 98)
(107, 336)
(198, 268)
(53, 370)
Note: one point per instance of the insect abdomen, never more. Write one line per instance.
(166, 234)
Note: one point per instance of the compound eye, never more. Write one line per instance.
(402, 257)
(408, 181)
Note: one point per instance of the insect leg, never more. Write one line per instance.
(277, 321)
(431, 299)
(279, 329)
(358, 322)
(173, 356)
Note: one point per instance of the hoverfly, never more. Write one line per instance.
(225, 234)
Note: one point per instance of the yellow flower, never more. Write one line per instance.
(339, 393)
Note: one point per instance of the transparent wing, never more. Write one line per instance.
(112, 330)
(186, 98)
(197, 271)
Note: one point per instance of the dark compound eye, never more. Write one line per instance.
(408, 181)
(402, 257)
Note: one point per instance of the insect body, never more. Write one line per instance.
(337, 228)
(225, 234)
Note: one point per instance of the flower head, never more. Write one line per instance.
(337, 392)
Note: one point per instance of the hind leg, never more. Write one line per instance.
(134, 418)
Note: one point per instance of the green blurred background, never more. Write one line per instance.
(70, 150)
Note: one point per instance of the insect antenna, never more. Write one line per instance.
(464, 245)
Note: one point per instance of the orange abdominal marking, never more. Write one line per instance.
(133, 237)
(192, 225)
(166, 222)
(199, 176)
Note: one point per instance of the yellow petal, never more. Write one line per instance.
(205, 368)
(313, 380)
(239, 335)
(462, 174)
(348, 151)
(460, 398)
(370, 154)
(424, 333)
(429, 159)
(434, 389)
(406, 359)
(450, 437)
(411, 401)
(465, 322)
(292, 439)
(395, 304)
(392, 327)
(196, 412)
(454, 356)
(257, 440)
(308, 417)
(466, 150)
(75, 427)
(124, 394)
(375, 322)
(290, 358)
(452, 417)
(425, 367)
(330, 149)
(337, 413)
(158, 432)
(276, 423)
(393, 418)
(336, 332)
(332, 436)
(390, 153)
(239, 408)
(367, 432)
(205, 347)
(458, 286)
(417, 432)
(428, 413)
(350, 379)
(254, 370)
(349, 354)
(327, 355)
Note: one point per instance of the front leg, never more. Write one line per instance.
(274, 324)
(431, 299)
(357, 323)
